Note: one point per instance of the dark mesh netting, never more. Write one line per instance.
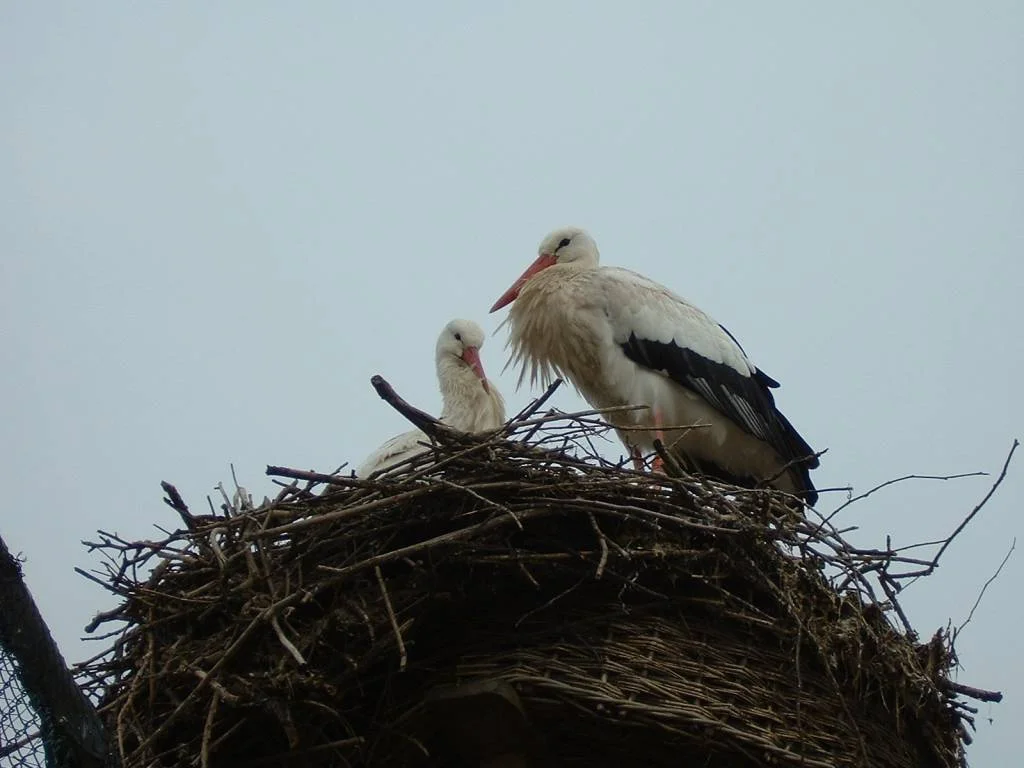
(20, 741)
(45, 718)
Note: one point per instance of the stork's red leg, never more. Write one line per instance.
(658, 465)
(638, 458)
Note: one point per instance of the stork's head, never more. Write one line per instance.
(569, 245)
(460, 343)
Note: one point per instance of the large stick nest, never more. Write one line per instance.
(593, 615)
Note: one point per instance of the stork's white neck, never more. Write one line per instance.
(465, 404)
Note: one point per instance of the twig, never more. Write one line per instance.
(604, 545)
(319, 477)
(102, 617)
(669, 459)
(887, 483)
(420, 419)
(211, 714)
(534, 430)
(975, 693)
(215, 546)
(577, 416)
(175, 502)
(548, 604)
(339, 514)
(483, 499)
(890, 592)
(444, 538)
(981, 594)
(403, 658)
(800, 460)
(223, 692)
(289, 646)
(535, 406)
(966, 520)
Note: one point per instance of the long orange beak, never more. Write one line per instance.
(471, 356)
(543, 261)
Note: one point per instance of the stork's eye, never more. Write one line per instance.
(458, 337)
(565, 242)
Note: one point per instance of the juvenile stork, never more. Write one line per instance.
(622, 339)
(470, 403)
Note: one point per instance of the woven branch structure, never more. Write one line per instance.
(597, 615)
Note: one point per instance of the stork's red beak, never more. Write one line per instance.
(471, 356)
(543, 261)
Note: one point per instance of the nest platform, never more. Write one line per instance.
(513, 600)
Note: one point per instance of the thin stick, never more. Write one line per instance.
(175, 502)
(981, 594)
(966, 520)
(483, 499)
(114, 614)
(444, 538)
(884, 580)
(403, 658)
(420, 419)
(602, 542)
(289, 646)
(211, 714)
(535, 406)
(299, 474)
(339, 514)
(975, 693)
(894, 481)
(579, 415)
(220, 689)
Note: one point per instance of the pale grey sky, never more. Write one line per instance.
(220, 220)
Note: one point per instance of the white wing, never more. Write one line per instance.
(638, 305)
(397, 449)
(660, 331)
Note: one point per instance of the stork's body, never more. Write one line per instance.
(622, 339)
(470, 403)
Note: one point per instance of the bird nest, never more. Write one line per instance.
(514, 598)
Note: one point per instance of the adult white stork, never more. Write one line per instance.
(622, 339)
(470, 403)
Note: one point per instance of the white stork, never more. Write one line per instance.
(470, 403)
(622, 339)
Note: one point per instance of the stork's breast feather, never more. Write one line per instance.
(557, 325)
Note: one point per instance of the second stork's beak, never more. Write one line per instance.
(471, 356)
(543, 261)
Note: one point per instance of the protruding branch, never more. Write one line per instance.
(313, 477)
(975, 693)
(535, 406)
(175, 502)
(419, 419)
(982, 503)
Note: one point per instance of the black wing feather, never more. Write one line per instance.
(747, 400)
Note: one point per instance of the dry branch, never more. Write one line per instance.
(420, 419)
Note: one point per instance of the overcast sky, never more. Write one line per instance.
(219, 220)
